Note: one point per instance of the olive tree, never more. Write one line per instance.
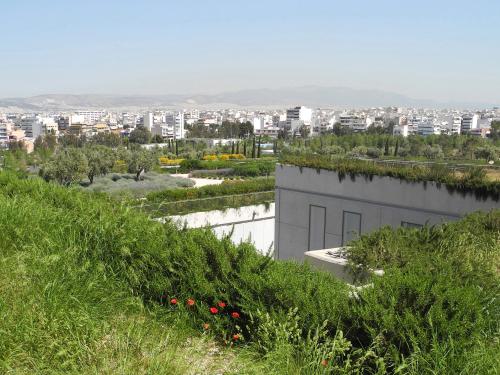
(140, 161)
(67, 166)
(100, 161)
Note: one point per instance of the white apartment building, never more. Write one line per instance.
(456, 125)
(90, 117)
(261, 122)
(428, 128)
(413, 122)
(355, 122)
(32, 126)
(173, 128)
(298, 116)
(36, 126)
(469, 122)
(5, 129)
(401, 130)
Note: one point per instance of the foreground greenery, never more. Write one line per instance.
(85, 287)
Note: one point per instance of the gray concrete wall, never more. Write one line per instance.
(380, 201)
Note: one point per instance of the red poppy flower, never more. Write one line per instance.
(173, 301)
(236, 337)
(214, 310)
(324, 363)
(235, 315)
(206, 326)
(221, 304)
(190, 302)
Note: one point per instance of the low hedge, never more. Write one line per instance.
(225, 188)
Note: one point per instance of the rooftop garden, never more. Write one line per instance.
(228, 194)
(88, 286)
(470, 180)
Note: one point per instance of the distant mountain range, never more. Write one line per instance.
(313, 96)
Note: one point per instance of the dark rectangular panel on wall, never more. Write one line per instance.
(317, 219)
(351, 226)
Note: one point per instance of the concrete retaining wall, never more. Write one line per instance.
(304, 196)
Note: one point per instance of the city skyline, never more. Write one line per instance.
(444, 52)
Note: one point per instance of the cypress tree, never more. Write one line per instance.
(258, 150)
(245, 148)
(176, 148)
(238, 147)
(253, 148)
(232, 147)
(396, 148)
(386, 151)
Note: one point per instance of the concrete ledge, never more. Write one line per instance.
(334, 261)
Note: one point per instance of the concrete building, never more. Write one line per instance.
(176, 122)
(456, 125)
(90, 117)
(428, 128)
(5, 130)
(173, 128)
(469, 122)
(298, 116)
(401, 130)
(31, 126)
(355, 122)
(320, 209)
(63, 123)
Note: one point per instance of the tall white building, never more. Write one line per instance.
(174, 128)
(149, 121)
(456, 125)
(5, 129)
(469, 122)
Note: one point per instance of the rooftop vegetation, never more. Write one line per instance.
(471, 180)
(229, 194)
(87, 286)
(225, 188)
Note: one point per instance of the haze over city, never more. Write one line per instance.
(435, 50)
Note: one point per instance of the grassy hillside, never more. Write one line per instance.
(86, 287)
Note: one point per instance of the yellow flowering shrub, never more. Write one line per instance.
(210, 157)
(165, 161)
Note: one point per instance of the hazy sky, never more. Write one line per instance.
(440, 49)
